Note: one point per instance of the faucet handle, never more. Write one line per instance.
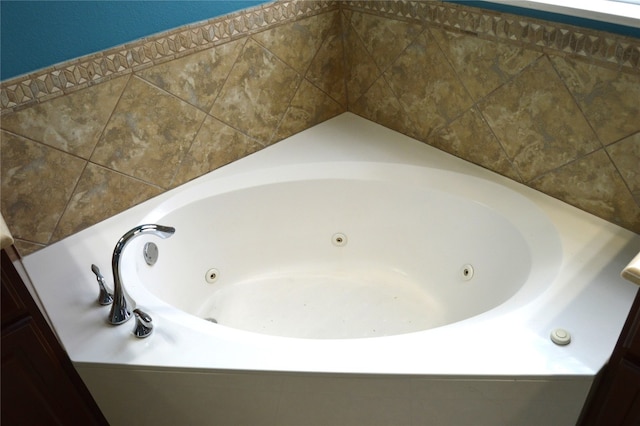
(105, 297)
(144, 326)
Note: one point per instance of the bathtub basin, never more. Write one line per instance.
(350, 264)
(349, 250)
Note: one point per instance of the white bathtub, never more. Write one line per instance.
(361, 277)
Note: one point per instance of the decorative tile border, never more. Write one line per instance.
(607, 49)
(51, 82)
(599, 47)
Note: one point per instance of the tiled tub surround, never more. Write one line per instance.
(74, 160)
(555, 108)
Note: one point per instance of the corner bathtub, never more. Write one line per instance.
(347, 275)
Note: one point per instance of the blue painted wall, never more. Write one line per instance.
(38, 34)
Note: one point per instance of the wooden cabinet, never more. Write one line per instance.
(615, 397)
(39, 384)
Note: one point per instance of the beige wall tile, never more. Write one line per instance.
(257, 93)
(383, 38)
(309, 107)
(72, 123)
(379, 104)
(593, 184)
(470, 137)
(26, 247)
(537, 121)
(626, 157)
(215, 145)
(197, 78)
(37, 183)
(427, 86)
(327, 69)
(328, 57)
(297, 43)
(608, 98)
(149, 134)
(360, 68)
(101, 193)
(482, 65)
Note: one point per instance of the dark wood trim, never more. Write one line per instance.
(615, 396)
(39, 383)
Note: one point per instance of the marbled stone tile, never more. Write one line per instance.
(482, 65)
(37, 183)
(625, 155)
(100, 194)
(196, 78)
(609, 99)
(215, 145)
(297, 43)
(327, 70)
(384, 38)
(26, 247)
(380, 105)
(309, 106)
(71, 123)
(427, 86)
(360, 68)
(537, 121)
(149, 134)
(470, 137)
(257, 92)
(593, 184)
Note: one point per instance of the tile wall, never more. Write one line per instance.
(87, 140)
(551, 106)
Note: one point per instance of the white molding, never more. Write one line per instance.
(611, 11)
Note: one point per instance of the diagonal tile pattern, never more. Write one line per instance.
(297, 43)
(309, 106)
(513, 107)
(171, 122)
(37, 182)
(148, 134)
(380, 104)
(550, 106)
(426, 86)
(624, 155)
(593, 184)
(482, 65)
(197, 78)
(608, 98)
(327, 69)
(485, 150)
(215, 145)
(100, 194)
(256, 93)
(538, 122)
(384, 39)
(360, 68)
(72, 123)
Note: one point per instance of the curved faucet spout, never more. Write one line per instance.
(122, 307)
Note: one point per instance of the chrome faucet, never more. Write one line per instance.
(123, 304)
